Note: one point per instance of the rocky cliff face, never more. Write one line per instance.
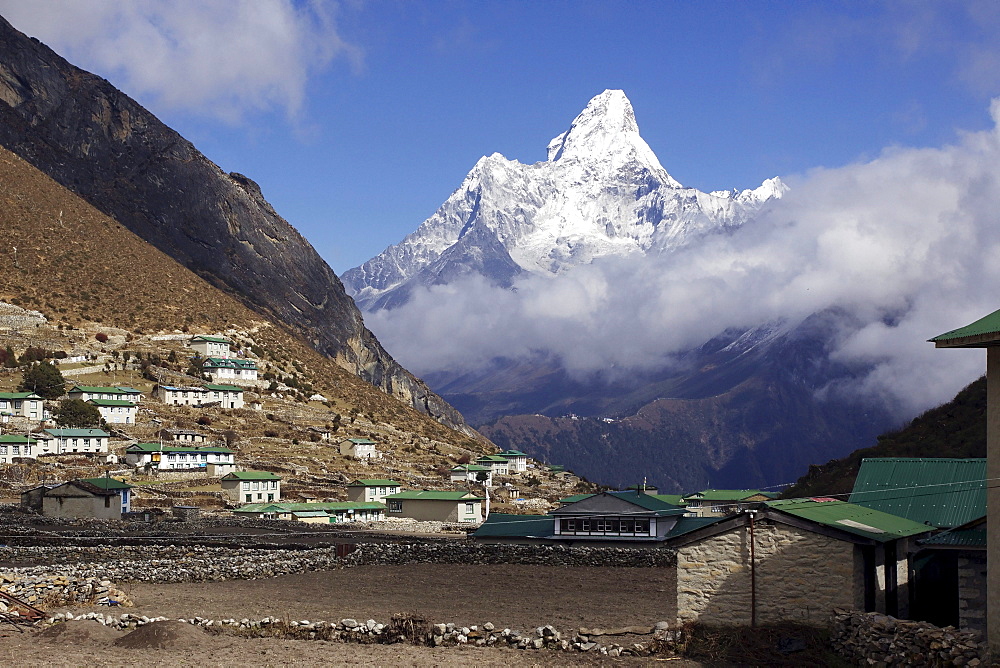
(102, 145)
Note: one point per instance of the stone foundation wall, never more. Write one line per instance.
(50, 591)
(800, 576)
(972, 591)
(870, 638)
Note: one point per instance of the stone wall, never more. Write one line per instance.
(875, 639)
(54, 590)
(800, 576)
(972, 591)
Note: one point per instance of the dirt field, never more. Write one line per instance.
(519, 597)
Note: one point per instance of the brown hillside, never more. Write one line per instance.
(80, 268)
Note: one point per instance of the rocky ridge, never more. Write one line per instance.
(99, 143)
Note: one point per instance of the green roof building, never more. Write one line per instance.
(372, 490)
(436, 506)
(252, 486)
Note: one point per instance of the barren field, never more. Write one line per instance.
(519, 597)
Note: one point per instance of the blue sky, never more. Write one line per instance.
(359, 118)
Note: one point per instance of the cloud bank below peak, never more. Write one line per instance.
(904, 245)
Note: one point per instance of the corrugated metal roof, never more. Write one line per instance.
(941, 492)
(723, 494)
(433, 495)
(972, 335)
(851, 518)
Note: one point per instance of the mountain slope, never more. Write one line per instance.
(80, 267)
(954, 429)
(102, 145)
(601, 192)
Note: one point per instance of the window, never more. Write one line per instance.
(274, 484)
(568, 526)
(270, 497)
(470, 508)
(27, 449)
(256, 485)
(86, 442)
(642, 526)
(246, 485)
(204, 457)
(249, 498)
(16, 449)
(604, 525)
(395, 506)
(585, 525)
(171, 456)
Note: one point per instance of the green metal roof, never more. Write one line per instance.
(77, 433)
(724, 494)
(981, 333)
(374, 482)
(156, 447)
(110, 402)
(969, 535)
(513, 453)
(107, 483)
(431, 495)
(224, 388)
(227, 363)
(647, 501)
(361, 441)
(19, 395)
(687, 524)
(492, 458)
(851, 518)
(251, 475)
(516, 526)
(672, 499)
(212, 339)
(574, 498)
(319, 506)
(17, 439)
(470, 467)
(941, 492)
(101, 389)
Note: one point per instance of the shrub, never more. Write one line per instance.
(102, 337)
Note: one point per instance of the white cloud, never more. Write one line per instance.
(223, 59)
(905, 245)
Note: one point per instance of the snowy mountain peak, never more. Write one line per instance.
(605, 127)
(602, 192)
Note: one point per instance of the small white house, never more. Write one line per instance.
(359, 448)
(470, 473)
(176, 457)
(16, 445)
(69, 441)
(211, 346)
(228, 396)
(372, 490)
(185, 435)
(232, 370)
(499, 465)
(88, 392)
(114, 411)
(21, 404)
(252, 486)
(517, 461)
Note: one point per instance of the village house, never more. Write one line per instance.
(470, 473)
(252, 486)
(22, 404)
(722, 502)
(88, 392)
(13, 446)
(159, 457)
(517, 461)
(619, 517)
(499, 465)
(792, 560)
(70, 441)
(114, 411)
(211, 346)
(372, 490)
(227, 396)
(329, 512)
(234, 370)
(101, 498)
(322, 433)
(948, 585)
(184, 435)
(432, 506)
(359, 448)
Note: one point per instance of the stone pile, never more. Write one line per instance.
(170, 563)
(400, 629)
(59, 590)
(871, 638)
